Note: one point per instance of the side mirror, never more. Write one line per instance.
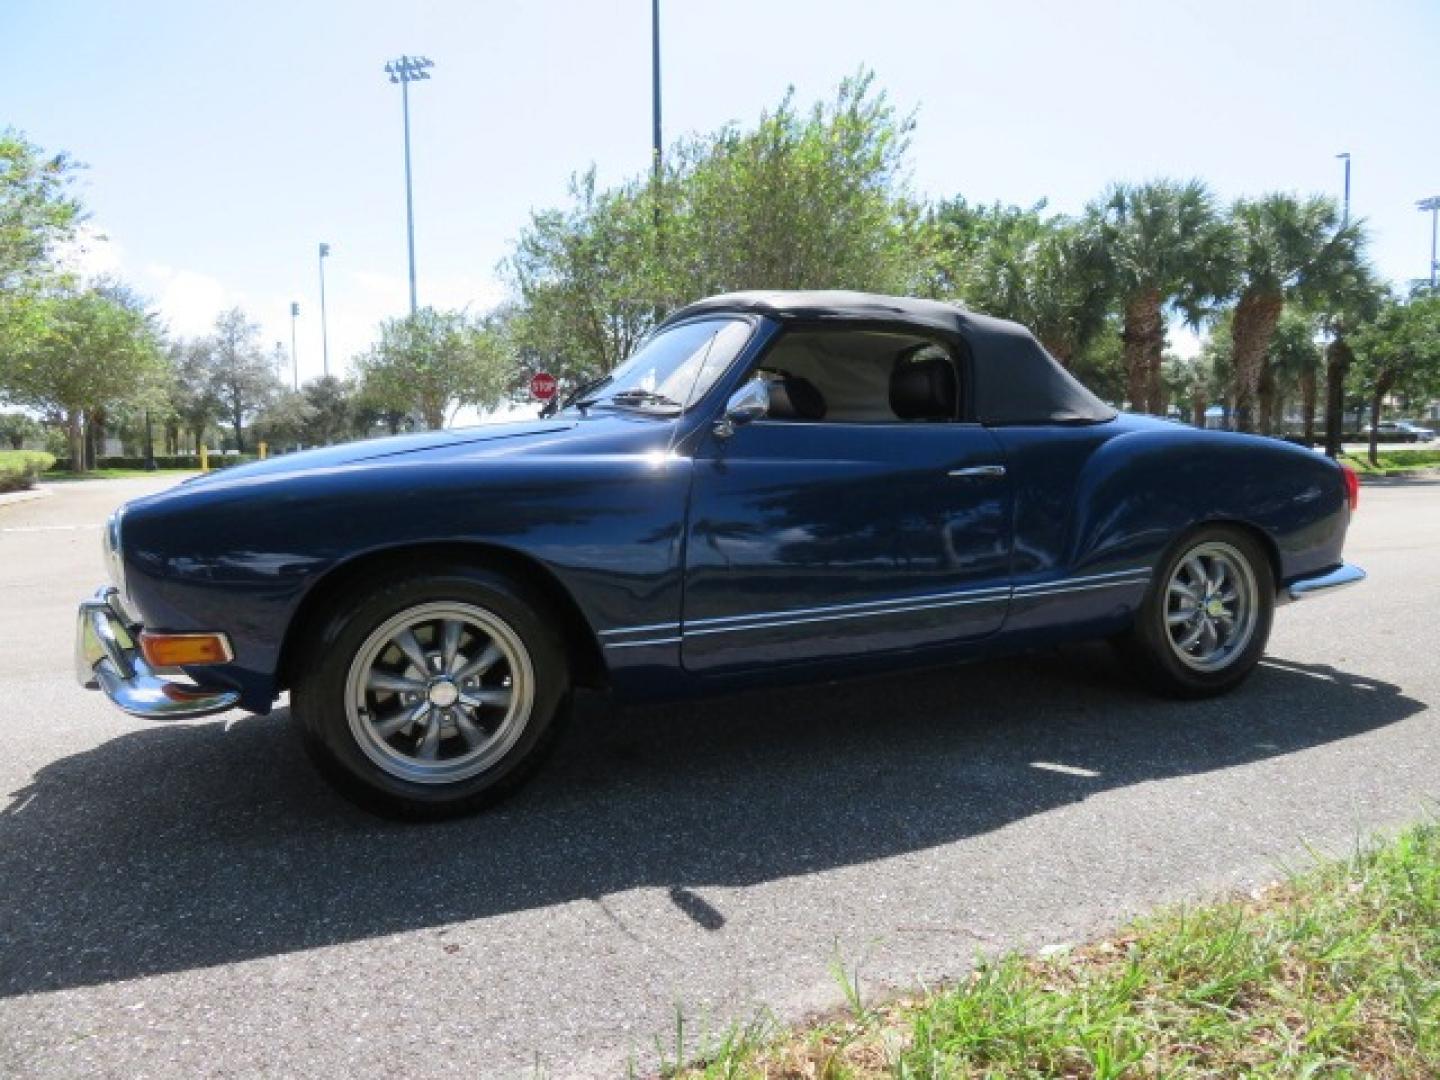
(750, 402)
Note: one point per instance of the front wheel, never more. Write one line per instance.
(432, 695)
(1206, 616)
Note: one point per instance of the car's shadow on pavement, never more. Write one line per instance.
(181, 847)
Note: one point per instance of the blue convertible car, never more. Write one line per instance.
(775, 486)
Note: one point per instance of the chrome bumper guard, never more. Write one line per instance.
(106, 658)
(1343, 575)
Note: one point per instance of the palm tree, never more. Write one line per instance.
(1284, 247)
(1292, 364)
(1044, 273)
(1164, 247)
(1354, 300)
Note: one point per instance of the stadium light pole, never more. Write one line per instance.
(655, 139)
(1432, 204)
(1345, 218)
(324, 329)
(294, 352)
(404, 71)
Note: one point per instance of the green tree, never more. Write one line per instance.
(588, 280)
(38, 213)
(286, 419)
(1399, 353)
(16, 427)
(1163, 246)
(241, 378)
(1292, 367)
(1043, 272)
(375, 406)
(95, 351)
(806, 199)
(434, 362)
(332, 410)
(1352, 301)
(1283, 248)
(190, 389)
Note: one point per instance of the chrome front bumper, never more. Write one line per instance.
(106, 658)
(1343, 575)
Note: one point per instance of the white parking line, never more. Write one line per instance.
(49, 528)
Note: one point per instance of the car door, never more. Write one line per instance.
(821, 541)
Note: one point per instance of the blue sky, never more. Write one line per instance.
(225, 140)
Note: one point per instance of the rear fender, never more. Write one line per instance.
(1143, 489)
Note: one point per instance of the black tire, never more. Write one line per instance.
(320, 697)
(1148, 647)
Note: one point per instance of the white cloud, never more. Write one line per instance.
(188, 300)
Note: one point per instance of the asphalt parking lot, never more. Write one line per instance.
(191, 899)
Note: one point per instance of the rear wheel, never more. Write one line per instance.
(1205, 619)
(432, 695)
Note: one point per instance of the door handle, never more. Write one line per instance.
(979, 470)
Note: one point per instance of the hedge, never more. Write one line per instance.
(19, 468)
(162, 461)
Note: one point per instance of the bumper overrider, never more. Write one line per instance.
(108, 658)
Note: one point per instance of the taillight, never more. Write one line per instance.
(1352, 487)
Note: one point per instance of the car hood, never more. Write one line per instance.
(331, 457)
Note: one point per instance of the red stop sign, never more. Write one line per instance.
(542, 385)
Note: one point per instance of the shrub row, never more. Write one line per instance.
(162, 461)
(19, 468)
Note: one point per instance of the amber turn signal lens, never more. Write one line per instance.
(178, 650)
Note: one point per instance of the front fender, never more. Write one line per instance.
(241, 557)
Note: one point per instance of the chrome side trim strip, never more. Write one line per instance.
(763, 620)
(637, 644)
(864, 605)
(844, 615)
(621, 631)
(1061, 590)
(1067, 584)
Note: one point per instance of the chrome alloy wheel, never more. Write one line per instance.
(1211, 606)
(439, 693)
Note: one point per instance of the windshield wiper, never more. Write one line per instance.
(577, 397)
(637, 396)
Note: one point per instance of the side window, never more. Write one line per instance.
(861, 376)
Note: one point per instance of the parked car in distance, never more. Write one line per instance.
(774, 487)
(1404, 431)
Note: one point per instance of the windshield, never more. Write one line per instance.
(671, 370)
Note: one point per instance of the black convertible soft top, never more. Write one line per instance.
(1016, 380)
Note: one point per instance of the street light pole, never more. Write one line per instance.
(1433, 205)
(294, 353)
(324, 330)
(655, 140)
(1345, 219)
(404, 71)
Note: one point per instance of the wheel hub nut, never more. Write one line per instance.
(443, 693)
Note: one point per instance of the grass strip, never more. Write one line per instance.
(1393, 462)
(1334, 972)
(114, 474)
